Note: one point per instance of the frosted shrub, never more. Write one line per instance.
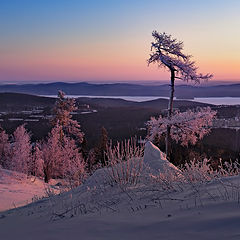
(229, 168)
(167, 179)
(198, 171)
(186, 127)
(190, 174)
(125, 162)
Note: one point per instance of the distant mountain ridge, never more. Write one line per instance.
(123, 89)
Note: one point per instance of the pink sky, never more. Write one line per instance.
(111, 42)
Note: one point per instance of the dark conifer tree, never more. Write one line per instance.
(100, 150)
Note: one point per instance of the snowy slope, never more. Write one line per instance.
(16, 189)
(154, 208)
(174, 219)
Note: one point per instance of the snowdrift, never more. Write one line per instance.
(156, 161)
(153, 163)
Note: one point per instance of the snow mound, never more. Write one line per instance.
(156, 160)
(118, 172)
(153, 163)
(99, 176)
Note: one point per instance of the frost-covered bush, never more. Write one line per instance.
(229, 168)
(202, 171)
(125, 162)
(186, 127)
(198, 171)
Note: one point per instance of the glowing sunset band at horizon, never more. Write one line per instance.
(110, 41)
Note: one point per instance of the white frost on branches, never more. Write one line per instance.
(21, 150)
(63, 108)
(186, 127)
(5, 149)
(73, 165)
(36, 167)
(62, 158)
(167, 52)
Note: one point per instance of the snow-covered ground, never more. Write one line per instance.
(154, 208)
(178, 216)
(16, 189)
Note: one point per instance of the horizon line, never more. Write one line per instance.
(139, 82)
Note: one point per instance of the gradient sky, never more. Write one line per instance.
(109, 40)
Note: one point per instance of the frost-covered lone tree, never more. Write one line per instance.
(167, 53)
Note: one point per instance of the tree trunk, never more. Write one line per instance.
(170, 110)
(46, 175)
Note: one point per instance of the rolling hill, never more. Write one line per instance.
(123, 89)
